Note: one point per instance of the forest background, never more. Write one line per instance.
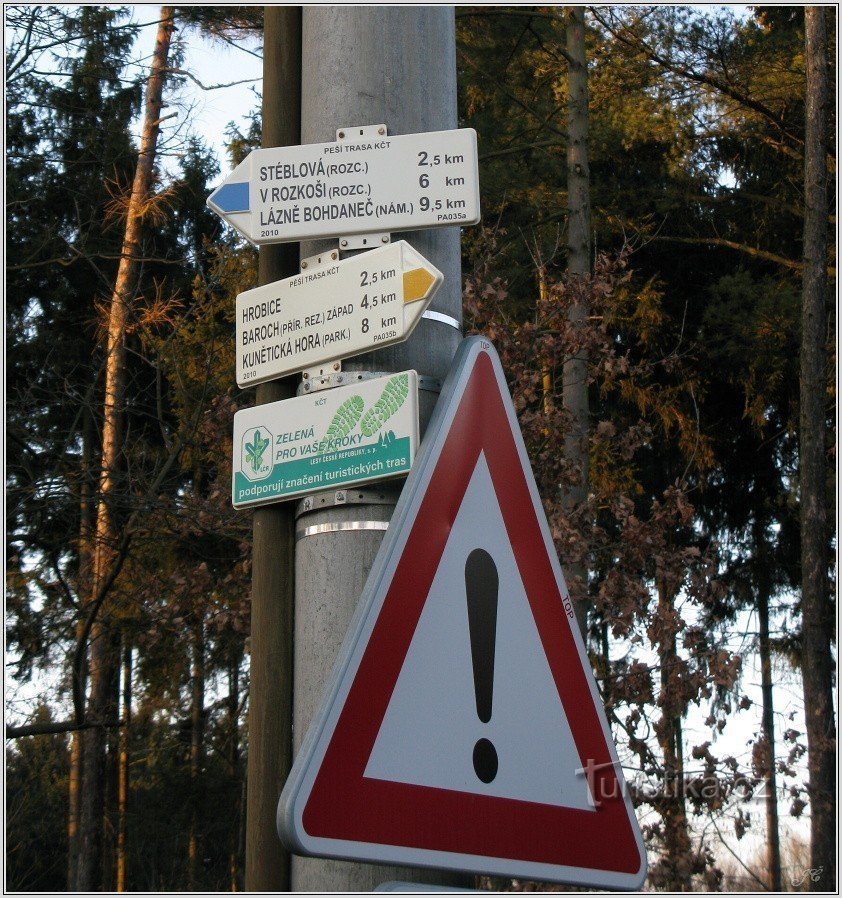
(689, 543)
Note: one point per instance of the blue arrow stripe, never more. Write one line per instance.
(232, 197)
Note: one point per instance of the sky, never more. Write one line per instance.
(206, 113)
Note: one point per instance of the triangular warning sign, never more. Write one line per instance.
(462, 728)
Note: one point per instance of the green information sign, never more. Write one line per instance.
(326, 440)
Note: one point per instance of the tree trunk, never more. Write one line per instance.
(123, 770)
(102, 657)
(817, 613)
(112, 775)
(197, 733)
(575, 371)
(77, 741)
(83, 591)
(546, 373)
(241, 833)
(74, 778)
(267, 864)
(773, 840)
(89, 870)
(234, 767)
(677, 859)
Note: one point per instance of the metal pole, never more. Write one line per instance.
(365, 66)
(270, 689)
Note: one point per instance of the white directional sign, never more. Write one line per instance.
(353, 186)
(462, 728)
(331, 312)
(367, 430)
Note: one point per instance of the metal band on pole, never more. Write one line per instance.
(340, 526)
(442, 318)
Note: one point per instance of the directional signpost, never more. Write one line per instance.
(353, 186)
(353, 434)
(332, 312)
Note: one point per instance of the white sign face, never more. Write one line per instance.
(438, 682)
(354, 186)
(332, 312)
(365, 431)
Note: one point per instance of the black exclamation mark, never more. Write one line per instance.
(481, 583)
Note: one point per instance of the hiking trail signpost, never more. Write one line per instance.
(332, 311)
(363, 183)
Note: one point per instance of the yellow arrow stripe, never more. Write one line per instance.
(416, 284)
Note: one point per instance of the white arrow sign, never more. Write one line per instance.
(359, 185)
(331, 312)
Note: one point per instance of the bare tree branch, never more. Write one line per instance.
(521, 149)
(196, 81)
(792, 264)
(51, 729)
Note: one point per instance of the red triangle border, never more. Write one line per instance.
(345, 805)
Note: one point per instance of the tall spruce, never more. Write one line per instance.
(60, 208)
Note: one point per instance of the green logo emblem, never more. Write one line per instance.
(255, 450)
(256, 453)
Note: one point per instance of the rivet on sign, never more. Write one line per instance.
(303, 265)
(381, 131)
(344, 243)
(339, 379)
(336, 366)
(306, 387)
(305, 375)
(333, 254)
(341, 134)
(384, 239)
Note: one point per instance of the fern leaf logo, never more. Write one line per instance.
(255, 450)
(254, 461)
(393, 397)
(344, 421)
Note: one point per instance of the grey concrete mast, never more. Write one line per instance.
(366, 66)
